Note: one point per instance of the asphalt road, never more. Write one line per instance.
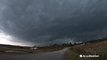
(57, 55)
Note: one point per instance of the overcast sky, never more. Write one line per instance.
(44, 22)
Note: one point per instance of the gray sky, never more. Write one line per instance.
(44, 22)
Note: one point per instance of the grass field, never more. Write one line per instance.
(8, 49)
(98, 48)
(48, 49)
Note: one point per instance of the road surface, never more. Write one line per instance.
(57, 55)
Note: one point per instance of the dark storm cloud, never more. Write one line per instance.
(45, 21)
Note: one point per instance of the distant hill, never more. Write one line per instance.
(12, 48)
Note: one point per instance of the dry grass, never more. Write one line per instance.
(93, 48)
(98, 48)
(48, 49)
(14, 50)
